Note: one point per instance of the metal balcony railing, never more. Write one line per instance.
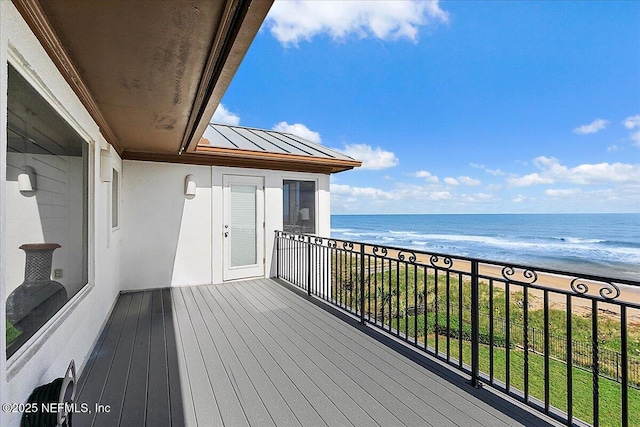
(564, 343)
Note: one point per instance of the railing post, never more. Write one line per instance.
(362, 283)
(308, 265)
(475, 325)
(277, 255)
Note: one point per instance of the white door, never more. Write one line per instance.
(243, 227)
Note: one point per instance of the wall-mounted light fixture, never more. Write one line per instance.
(190, 186)
(27, 180)
(106, 166)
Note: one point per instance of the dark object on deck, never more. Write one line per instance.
(38, 298)
(51, 405)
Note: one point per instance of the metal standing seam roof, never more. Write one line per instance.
(266, 141)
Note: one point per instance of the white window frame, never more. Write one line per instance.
(29, 349)
(316, 218)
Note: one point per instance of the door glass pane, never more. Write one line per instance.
(242, 223)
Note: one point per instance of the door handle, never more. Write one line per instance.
(226, 234)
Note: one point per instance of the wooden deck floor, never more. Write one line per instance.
(257, 353)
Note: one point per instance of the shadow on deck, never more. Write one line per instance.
(261, 353)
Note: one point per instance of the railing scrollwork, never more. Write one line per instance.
(607, 290)
(529, 276)
(402, 256)
(380, 251)
(443, 262)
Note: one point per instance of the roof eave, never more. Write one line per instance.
(230, 47)
(252, 160)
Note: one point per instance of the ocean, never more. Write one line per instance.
(599, 244)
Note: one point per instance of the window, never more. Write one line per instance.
(47, 205)
(299, 206)
(115, 197)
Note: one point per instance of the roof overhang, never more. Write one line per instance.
(213, 156)
(150, 73)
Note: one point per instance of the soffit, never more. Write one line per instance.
(154, 70)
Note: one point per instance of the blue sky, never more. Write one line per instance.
(456, 107)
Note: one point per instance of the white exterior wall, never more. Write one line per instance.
(72, 332)
(175, 241)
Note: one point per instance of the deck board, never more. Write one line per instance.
(279, 409)
(287, 384)
(401, 396)
(414, 386)
(135, 394)
(442, 383)
(202, 395)
(158, 410)
(328, 361)
(259, 353)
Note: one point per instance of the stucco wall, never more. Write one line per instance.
(71, 333)
(168, 237)
(175, 241)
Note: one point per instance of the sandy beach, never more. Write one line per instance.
(557, 285)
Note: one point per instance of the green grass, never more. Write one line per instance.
(609, 391)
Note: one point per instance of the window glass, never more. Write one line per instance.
(47, 199)
(299, 206)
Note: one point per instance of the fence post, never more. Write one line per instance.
(308, 265)
(475, 325)
(362, 283)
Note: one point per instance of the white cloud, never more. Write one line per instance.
(479, 197)
(225, 117)
(494, 172)
(439, 195)
(551, 171)
(632, 122)
(296, 20)
(428, 176)
(562, 192)
(371, 158)
(527, 180)
(298, 129)
(593, 127)
(368, 192)
(613, 147)
(451, 181)
(519, 198)
(467, 180)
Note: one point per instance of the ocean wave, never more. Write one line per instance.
(341, 230)
(578, 240)
(496, 248)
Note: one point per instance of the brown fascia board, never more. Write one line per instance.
(240, 24)
(36, 19)
(248, 159)
(338, 164)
